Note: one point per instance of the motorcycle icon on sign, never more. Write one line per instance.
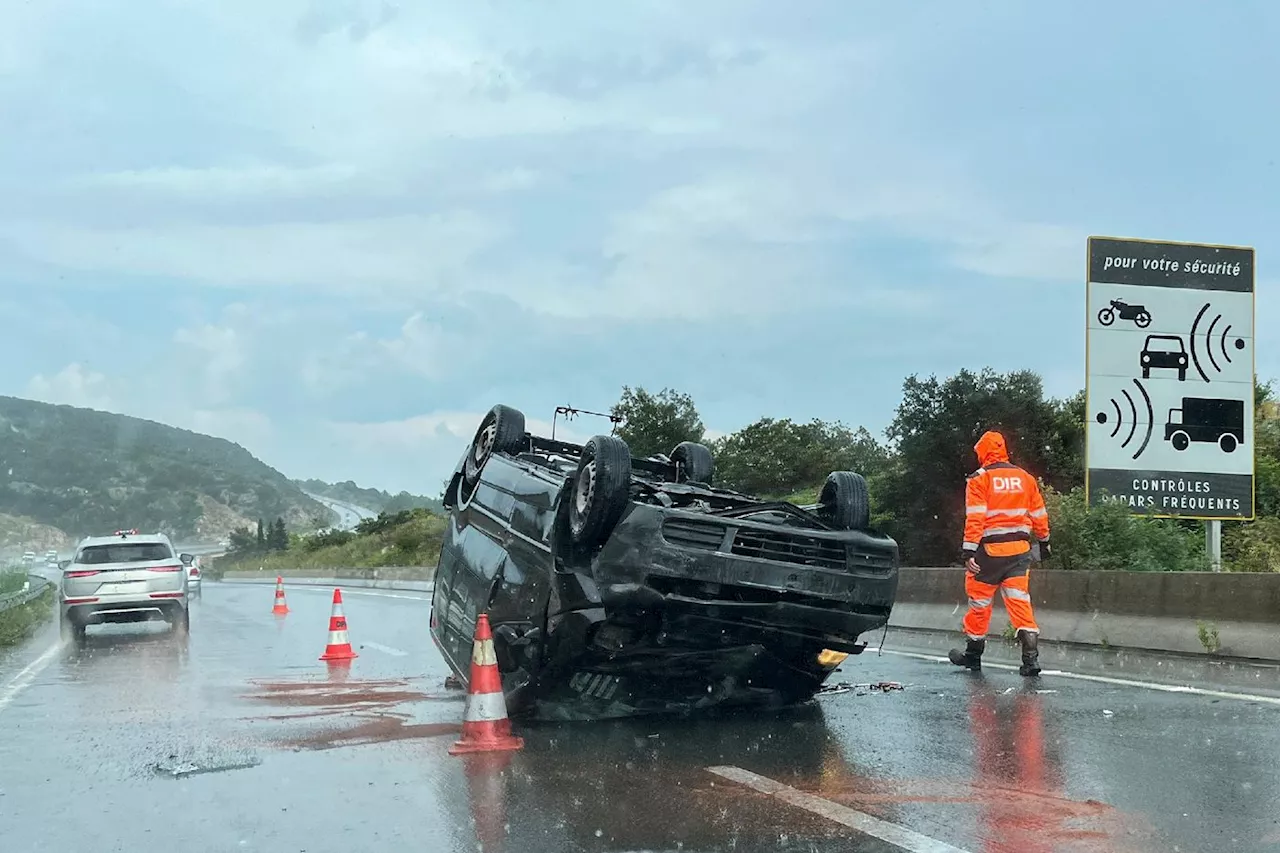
(1139, 314)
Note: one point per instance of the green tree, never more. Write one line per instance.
(1254, 546)
(262, 536)
(1109, 537)
(779, 457)
(242, 541)
(656, 423)
(278, 537)
(933, 433)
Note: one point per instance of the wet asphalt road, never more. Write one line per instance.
(240, 740)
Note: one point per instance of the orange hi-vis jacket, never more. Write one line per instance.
(1003, 504)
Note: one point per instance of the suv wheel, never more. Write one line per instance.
(696, 462)
(845, 501)
(600, 489)
(501, 431)
(182, 622)
(70, 631)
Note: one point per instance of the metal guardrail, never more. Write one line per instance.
(36, 588)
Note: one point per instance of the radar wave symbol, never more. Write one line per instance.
(1133, 420)
(1214, 345)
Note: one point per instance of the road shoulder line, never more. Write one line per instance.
(1105, 679)
(23, 679)
(892, 833)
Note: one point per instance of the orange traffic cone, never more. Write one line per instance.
(280, 608)
(339, 647)
(485, 726)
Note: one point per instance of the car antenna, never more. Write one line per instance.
(570, 413)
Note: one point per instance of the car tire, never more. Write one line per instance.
(1227, 443)
(1180, 440)
(182, 623)
(600, 489)
(70, 631)
(845, 500)
(501, 431)
(696, 462)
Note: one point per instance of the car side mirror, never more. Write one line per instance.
(62, 564)
(187, 559)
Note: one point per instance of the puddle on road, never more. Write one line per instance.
(364, 706)
(371, 728)
(341, 696)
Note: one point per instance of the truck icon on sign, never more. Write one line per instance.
(1207, 420)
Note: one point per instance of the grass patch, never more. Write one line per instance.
(411, 539)
(19, 623)
(11, 580)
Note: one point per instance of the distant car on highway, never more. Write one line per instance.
(125, 577)
(619, 586)
(51, 558)
(192, 563)
(28, 558)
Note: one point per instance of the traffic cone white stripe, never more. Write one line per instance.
(337, 638)
(485, 708)
(482, 653)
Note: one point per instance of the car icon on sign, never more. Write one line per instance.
(1166, 352)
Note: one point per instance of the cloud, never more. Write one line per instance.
(74, 385)
(398, 252)
(218, 352)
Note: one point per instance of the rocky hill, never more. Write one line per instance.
(85, 472)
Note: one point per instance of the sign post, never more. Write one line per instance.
(1169, 385)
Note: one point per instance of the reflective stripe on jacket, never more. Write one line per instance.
(1003, 504)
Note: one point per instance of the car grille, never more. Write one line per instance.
(688, 533)
(782, 547)
(788, 548)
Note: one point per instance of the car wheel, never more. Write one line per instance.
(1180, 440)
(1227, 442)
(182, 622)
(845, 500)
(70, 631)
(697, 465)
(501, 431)
(601, 489)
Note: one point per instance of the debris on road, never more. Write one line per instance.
(862, 689)
(176, 769)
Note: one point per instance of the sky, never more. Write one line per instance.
(338, 231)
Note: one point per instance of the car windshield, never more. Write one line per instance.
(130, 552)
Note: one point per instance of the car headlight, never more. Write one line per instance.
(1146, 359)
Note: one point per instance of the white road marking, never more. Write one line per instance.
(23, 679)
(899, 836)
(1104, 679)
(387, 649)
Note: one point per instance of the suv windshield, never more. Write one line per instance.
(132, 552)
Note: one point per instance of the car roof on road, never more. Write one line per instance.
(116, 540)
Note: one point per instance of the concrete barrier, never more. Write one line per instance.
(332, 579)
(1231, 615)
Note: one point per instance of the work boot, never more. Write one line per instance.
(971, 657)
(1030, 654)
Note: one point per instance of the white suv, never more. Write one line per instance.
(125, 577)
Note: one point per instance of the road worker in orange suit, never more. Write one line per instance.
(1003, 508)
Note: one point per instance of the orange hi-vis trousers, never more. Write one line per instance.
(1017, 601)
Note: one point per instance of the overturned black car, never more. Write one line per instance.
(620, 586)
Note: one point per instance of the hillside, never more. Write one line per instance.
(374, 499)
(407, 538)
(84, 471)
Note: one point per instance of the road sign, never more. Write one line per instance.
(1170, 378)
